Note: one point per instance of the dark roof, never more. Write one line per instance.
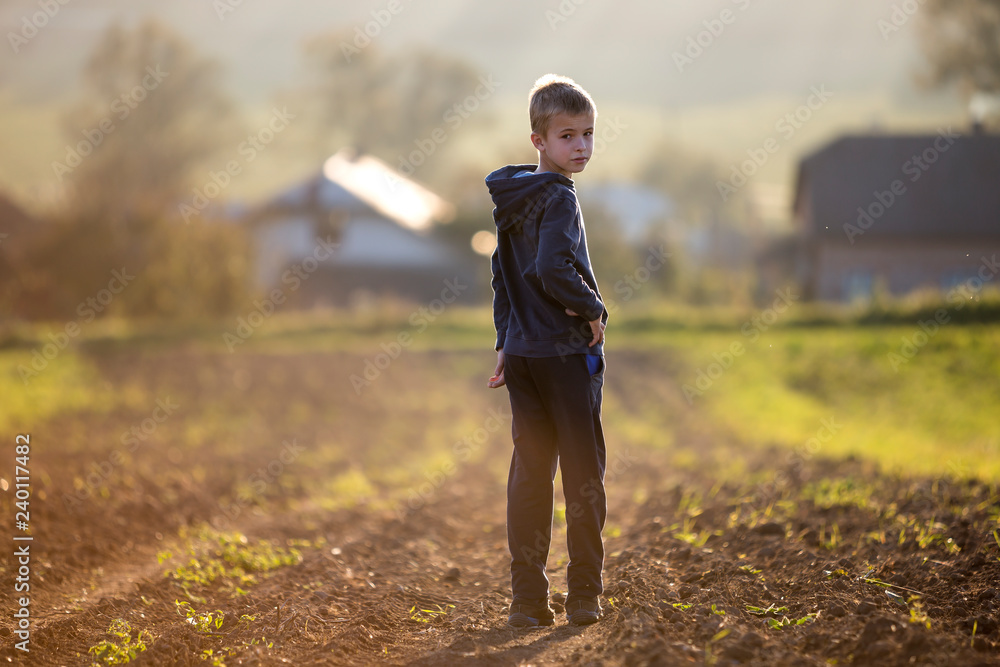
(958, 195)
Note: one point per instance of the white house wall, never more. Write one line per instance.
(281, 243)
(372, 241)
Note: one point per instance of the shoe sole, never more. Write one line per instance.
(520, 620)
(583, 617)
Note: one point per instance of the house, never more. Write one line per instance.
(899, 212)
(382, 226)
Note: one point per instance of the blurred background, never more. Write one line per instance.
(207, 147)
(245, 317)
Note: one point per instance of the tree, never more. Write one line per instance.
(689, 178)
(153, 109)
(386, 105)
(961, 39)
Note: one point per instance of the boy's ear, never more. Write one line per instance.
(537, 141)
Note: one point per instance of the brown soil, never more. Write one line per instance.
(905, 571)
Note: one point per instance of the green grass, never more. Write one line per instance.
(67, 384)
(933, 415)
(227, 556)
(128, 646)
(936, 414)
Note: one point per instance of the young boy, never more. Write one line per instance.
(550, 321)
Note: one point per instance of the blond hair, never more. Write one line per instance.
(553, 94)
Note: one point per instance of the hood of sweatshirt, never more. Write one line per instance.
(514, 195)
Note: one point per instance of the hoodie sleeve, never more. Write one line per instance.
(558, 242)
(501, 302)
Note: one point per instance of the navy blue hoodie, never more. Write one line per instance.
(541, 266)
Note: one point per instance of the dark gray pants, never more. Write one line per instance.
(556, 406)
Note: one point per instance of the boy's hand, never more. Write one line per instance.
(497, 380)
(596, 327)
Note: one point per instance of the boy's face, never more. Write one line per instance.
(567, 145)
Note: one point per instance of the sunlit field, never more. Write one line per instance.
(326, 492)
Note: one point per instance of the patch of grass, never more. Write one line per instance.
(122, 651)
(68, 384)
(785, 622)
(347, 490)
(203, 622)
(931, 415)
(917, 614)
(925, 534)
(765, 611)
(429, 615)
(842, 492)
(829, 540)
(231, 558)
(685, 532)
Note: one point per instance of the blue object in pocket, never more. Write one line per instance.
(593, 363)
